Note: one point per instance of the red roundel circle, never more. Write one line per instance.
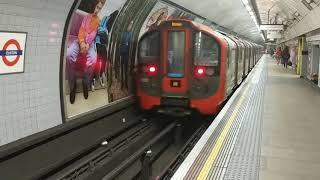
(6, 45)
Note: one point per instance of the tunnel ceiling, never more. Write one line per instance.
(231, 14)
(287, 12)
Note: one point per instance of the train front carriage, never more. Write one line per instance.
(181, 67)
(185, 66)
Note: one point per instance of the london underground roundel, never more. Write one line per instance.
(12, 52)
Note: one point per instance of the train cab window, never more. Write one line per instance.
(175, 54)
(206, 52)
(149, 47)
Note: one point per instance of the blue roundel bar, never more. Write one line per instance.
(10, 52)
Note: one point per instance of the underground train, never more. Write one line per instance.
(184, 66)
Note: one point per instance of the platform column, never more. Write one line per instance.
(302, 57)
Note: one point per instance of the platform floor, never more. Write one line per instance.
(269, 129)
(96, 99)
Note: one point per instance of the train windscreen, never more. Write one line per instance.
(175, 58)
(149, 48)
(206, 51)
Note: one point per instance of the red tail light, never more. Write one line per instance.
(151, 69)
(200, 71)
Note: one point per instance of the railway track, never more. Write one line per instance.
(161, 159)
(123, 144)
(109, 153)
(44, 153)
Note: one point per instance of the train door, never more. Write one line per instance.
(244, 57)
(249, 56)
(237, 56)
(252, 56)
(175, 63)
(239, 68)
(231, 65)
(255, 54)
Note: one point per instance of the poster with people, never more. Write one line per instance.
(86, 55)
(160, 12)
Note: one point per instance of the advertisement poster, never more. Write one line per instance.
(159, 13)
(87, 64)
(100, 50)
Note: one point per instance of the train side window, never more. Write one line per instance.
(206, 51)
(149, 47)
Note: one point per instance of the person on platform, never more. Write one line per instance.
(285, 56)
(278, 54)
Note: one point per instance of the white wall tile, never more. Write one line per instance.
(30, 101)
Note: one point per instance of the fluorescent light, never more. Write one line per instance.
(252, 15)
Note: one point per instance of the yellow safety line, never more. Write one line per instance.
(215, 151)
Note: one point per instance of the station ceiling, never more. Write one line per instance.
(287, 12)
(233, 14)
(230, 14)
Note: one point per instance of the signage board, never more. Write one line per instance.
(313, 38)
(12, 52)
(275, 27)
(273, 35)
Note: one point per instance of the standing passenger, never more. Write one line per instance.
(278, 55)
(271, 52)
(285, 56)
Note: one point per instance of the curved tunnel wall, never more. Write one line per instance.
(125, 27)
(309, 23)
(30, 101)
(119, 20)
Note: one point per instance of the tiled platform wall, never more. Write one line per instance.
(30, 101)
